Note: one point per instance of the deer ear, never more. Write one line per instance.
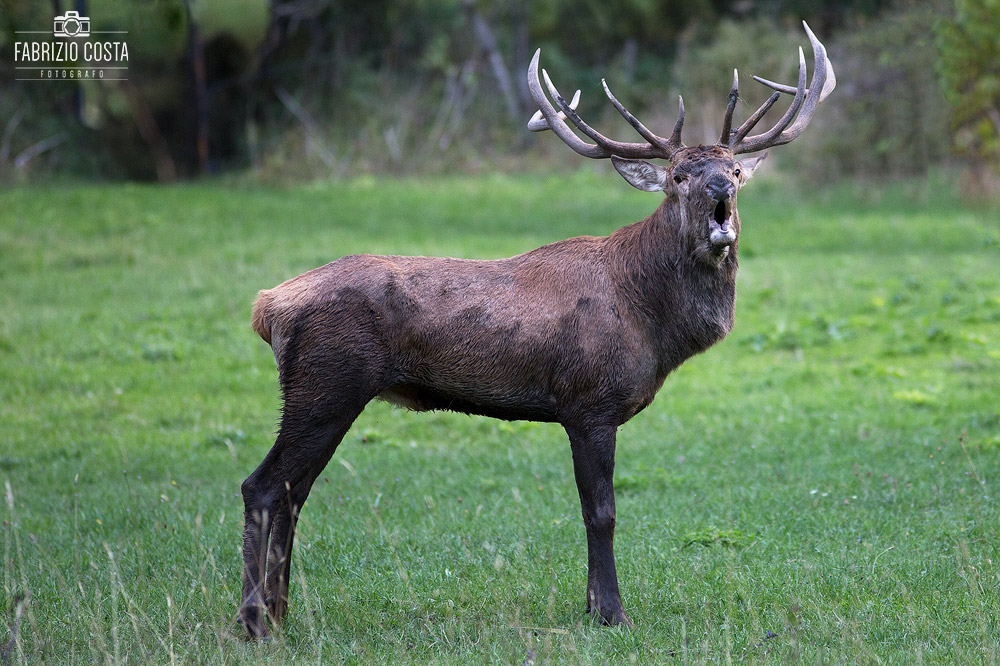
(748, 166)
(641, 175)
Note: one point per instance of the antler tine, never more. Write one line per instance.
(727, 122)
(823, 80)
(752, 121)
(571, 113)
(613, 147)
(668, 145)
(828, 85)
(554, 120)
(769, 138)
(675, 136)
(539, 124)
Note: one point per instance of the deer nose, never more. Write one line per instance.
(720, 188)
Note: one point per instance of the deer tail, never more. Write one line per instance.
(262, 315)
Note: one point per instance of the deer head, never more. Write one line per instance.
(703, 180)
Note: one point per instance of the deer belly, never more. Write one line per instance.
(524, 407)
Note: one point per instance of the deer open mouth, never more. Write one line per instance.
(721, 231)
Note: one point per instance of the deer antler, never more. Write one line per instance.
(803, 104)
(800, 111)
(548, 118)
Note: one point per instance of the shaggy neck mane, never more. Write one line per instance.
(687, 303)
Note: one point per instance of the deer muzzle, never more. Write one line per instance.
(721, 227)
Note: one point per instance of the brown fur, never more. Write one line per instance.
(261, 317)
(581, 332)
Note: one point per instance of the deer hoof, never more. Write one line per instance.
(276, 607)
(252, 619)
(611, 618)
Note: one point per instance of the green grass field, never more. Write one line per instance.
(821, 487)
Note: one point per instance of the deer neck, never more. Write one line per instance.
(686, 303)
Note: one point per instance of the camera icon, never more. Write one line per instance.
(71, 24)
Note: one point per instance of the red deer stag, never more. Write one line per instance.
(582, 332)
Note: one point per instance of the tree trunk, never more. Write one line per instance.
(489, 43)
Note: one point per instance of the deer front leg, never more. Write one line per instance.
(594, 466)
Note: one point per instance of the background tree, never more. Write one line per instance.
(969, 67)
(294, 89)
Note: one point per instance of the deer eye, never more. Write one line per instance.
(678, 179)
(736, 172)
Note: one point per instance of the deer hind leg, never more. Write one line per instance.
(273, 495)
(312, 426)
(279, 547)
(279, 551)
